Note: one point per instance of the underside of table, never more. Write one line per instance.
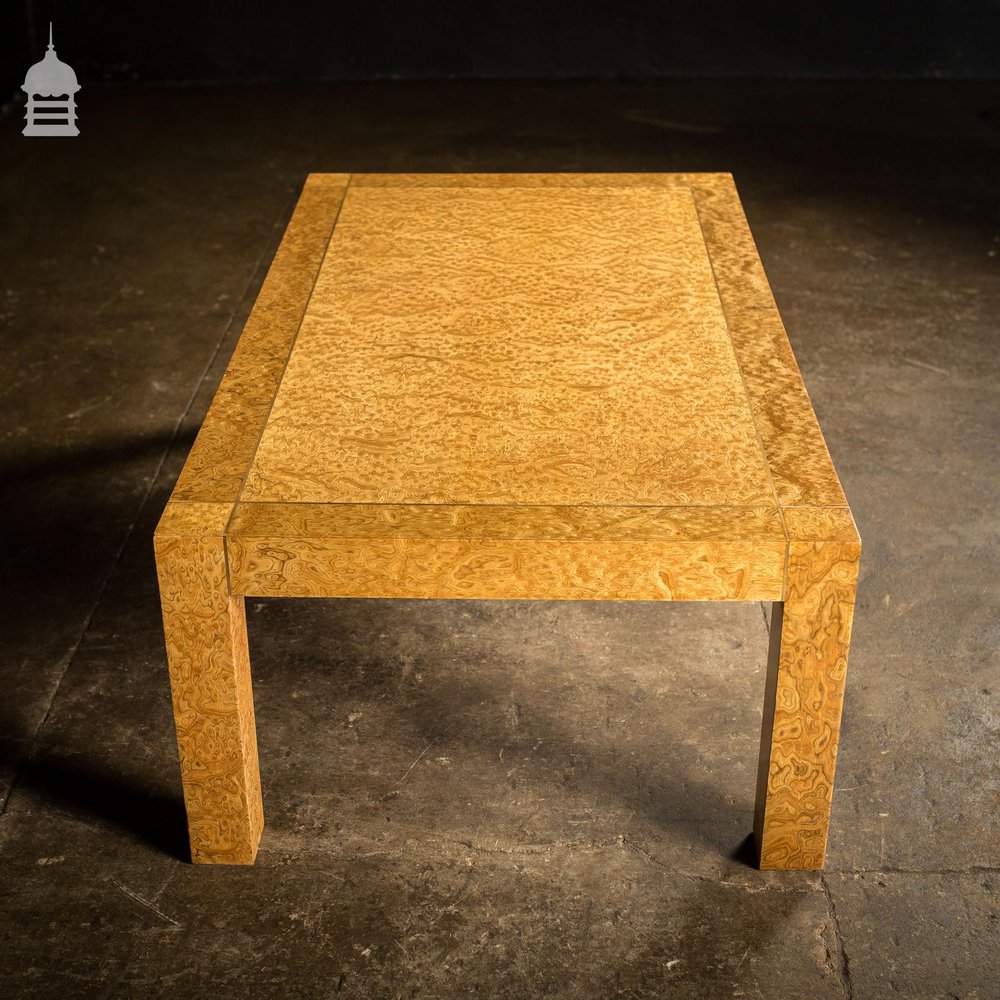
(556, 386)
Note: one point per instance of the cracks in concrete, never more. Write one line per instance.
(143, 902)
(642, 852)
(395, 788)
(840, 960)
(767, 621)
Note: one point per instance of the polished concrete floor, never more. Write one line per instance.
(497, 799)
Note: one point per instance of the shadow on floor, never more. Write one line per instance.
(84, 790)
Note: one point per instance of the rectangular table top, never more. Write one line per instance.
(513, 345)
(588, 358)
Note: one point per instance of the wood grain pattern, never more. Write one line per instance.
(209, 666)
(558, 386)
(797, 454)
(485, 551)
(821, 524)
(811, 629)
(203, 622)
(761, 525)
(807, 669)
(461, 568)
(506, 345)
(194, 519)
(222, 452)
(524, 180)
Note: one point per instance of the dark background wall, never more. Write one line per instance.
(254, 40)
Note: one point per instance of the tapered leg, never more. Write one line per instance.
(804, 695)
(209, 664)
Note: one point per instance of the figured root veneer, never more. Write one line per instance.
(209, 665)
(546, 386)
(804, 689)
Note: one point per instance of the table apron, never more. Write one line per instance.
(537, 569)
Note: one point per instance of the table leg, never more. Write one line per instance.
(804, 695)
(208, 658)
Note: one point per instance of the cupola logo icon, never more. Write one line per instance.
(51, 88)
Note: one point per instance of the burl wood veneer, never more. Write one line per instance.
(558, 386)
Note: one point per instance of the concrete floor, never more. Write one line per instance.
(497, 799)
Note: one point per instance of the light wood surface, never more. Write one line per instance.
(800, 466)
(582, 553)
(804, 694)
(203, 620)
(220, 458)
(209, 664)
(506, 346)
(549, 386)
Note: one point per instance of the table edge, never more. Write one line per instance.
(810, 506)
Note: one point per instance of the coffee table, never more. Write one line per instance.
(545, 386)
